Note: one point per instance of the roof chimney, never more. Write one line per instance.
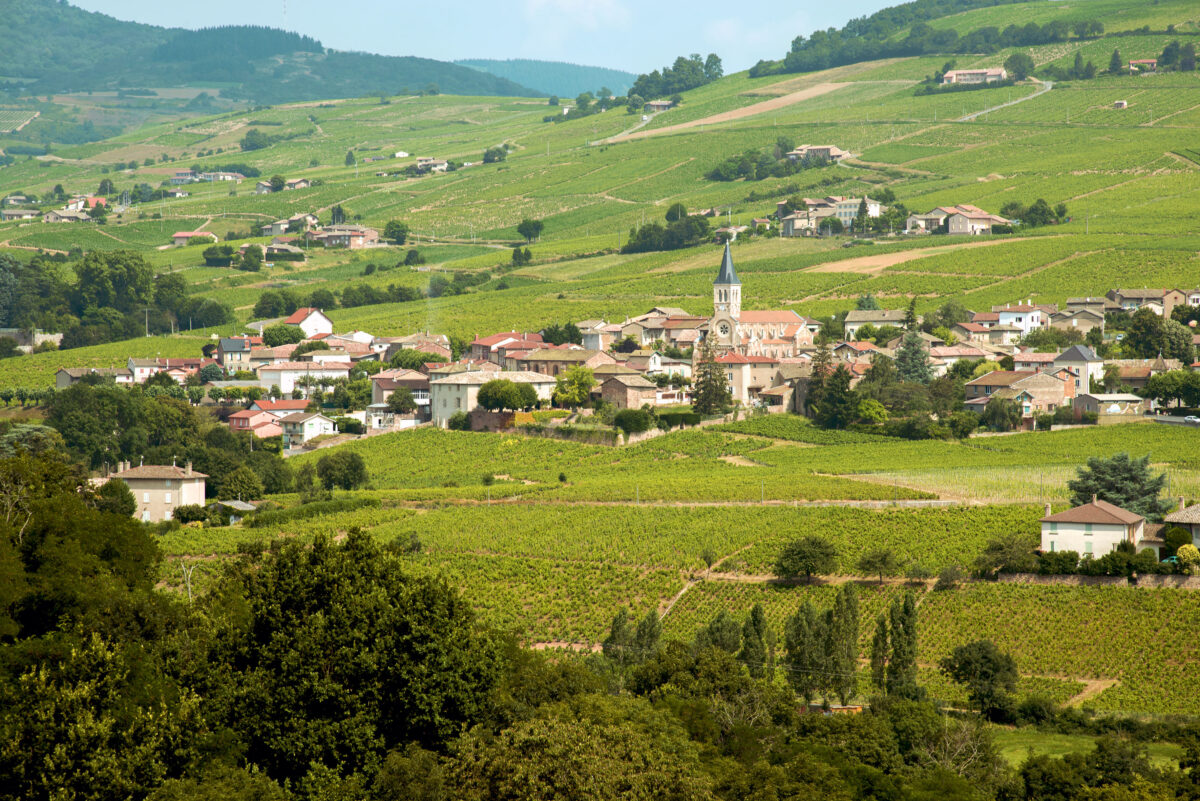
(187, 471)
(1182, 503)
(1047, 511)
(1093, 497)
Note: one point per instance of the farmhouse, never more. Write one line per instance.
(831, 153)
(279, 408)
(877, 317)
(1094, 528)
(261, 424)
(66, 376)
(290, 375)
(18, 214)
(160, 489)
(1116, 407)
(806, 221)
(655, 106)
(65, 216)
(297, 222)
(384, 383)
(629, 391)
(990, 75)
(181, 238)
(1186, 517)
(352, 237)
(553, 361)
(1083, 363)
(961, 219)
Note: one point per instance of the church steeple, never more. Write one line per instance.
(727, 289)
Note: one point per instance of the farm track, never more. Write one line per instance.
(874, 264)
(1046, 87)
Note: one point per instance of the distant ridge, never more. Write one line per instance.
(54, 47)
(554, 77)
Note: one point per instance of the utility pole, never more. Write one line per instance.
(147, 311)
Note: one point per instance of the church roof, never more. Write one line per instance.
(728, 275)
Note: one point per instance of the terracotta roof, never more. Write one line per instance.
(738, 358)
(633, 381)
(157, 471)
(1000, 378)
(300, 417)
(281, 405)
(974, 328)
(986, 317)
(859, 345)
(1189, 515)
(299, 315)
(769, 316)
(1035, 358)
(301, 367)
(1097, 511)
(961, 351)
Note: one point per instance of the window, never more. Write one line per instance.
(1054, 528)
(145, 497)
(1087, 528)
(1053, 547)
(168, 483)
(167, 498)
(1087, 547)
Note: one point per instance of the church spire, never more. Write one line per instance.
(727, 275)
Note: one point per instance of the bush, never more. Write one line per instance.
(948, 579)
(315, 509)
(459, 421)
(676, 419)
(633, 421)
(190, 513)
(348, 425)
(1058, 563)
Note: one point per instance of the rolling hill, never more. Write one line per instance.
(55, 47)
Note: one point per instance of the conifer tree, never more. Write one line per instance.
(910, 315)
(879, 654)
(822, 366)
(912, 360)
(1116, 65)
(839, 403)
(712, 395)
(843, 640)
(804, 640)
(645, 639)
(902, 663)
(618, 645)
(758, 644)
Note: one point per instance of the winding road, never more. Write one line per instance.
(1046, 87)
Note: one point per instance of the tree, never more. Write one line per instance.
(879, 653)
(988, 674)
(806, 556)
(1116, 65)
(912, 359)
(713, 68)
(646, 636)
(842, 633)
(241, 485)
(115, 497)
(278, 182)
(1001, 414)
(494, 155)
(618, 646)
(879, 562)
(862, 218)
(1019, 65)
(252, 259)
(343, 469)
(573, 387)
(633, 421)
(758, 644)
(676, 212)
(711, 394)
(500, 394)
(396, 232)
(902, 660)
(279, 334)
(822, 367)
(866, 302)
(401, 401)
(530, 229)
(1122, 481)
(350, 160)
(830, 226)
(254, 140)
(804, 644)
(838, 405)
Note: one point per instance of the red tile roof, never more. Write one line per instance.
(786, 316)
(737, 358)
(1000, 378)
(1096, 512)
(299, 315)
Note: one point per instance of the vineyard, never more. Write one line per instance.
(13, 119)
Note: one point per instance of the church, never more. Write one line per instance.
(773, 334)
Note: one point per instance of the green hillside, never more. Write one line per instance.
(55, 47)
(555, 77)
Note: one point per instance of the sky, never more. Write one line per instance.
(632, 35)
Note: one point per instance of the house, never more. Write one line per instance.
(748, 376)
(1161, 301)
(1120, 104)
(1033, 392)
(655, 106)
(1187, 518)
(279, 408)
(384, 383)
(1030, 361)
(260, 423)
(970, 220)
(85, 203)
(297, 183)
(183, 177)
(459, 392)
(65, 216)
(1136, 373)
(311, 321)
(177, 193)
(491, 348)
(855, 350)
(297, 222)
(806, 221)
(263, 188)
(1081, 320)
(66, 376)
(160, 489)
(989, 75)
(949, 355)
(629, 391)
(233, 353)
(1084, 363)
(1116, 406)
(428, 164)
(830, 153)
(285, 252)
(142, 369)
(181, 238)
(351, 237)
(301, 427)
(1143, 65)
(213, 177)
(1025, 316)
(554, 361)
(876, 317)
(15, 200)
(287, 376)
(1096, 528)
(8, 215)
(236, 511)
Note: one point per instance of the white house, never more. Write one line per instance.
(1095, 528)
(289, 375)
(1024, 316)
(311, 321)
(300, 427)
(459, 392)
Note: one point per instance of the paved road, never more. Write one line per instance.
(1046, 87)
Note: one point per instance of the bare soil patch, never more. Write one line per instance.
(871, 265)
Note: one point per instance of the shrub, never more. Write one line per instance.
(314, 509)
(190, 513)
(459, 421)
(633, 421)
(948, 579)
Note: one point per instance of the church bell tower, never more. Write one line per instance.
(727, 289)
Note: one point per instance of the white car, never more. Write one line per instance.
(1191, 418)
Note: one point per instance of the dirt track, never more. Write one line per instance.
(736, 114)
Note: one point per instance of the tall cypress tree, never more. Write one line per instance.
(843, 655)
(912, 360)
(645, 639)
(822, 366)
(805, 638)
(839, 403)
(1116, 65)
(910, 315)
(618, 645)
(879, 654)
(758, 644)
(902, 665)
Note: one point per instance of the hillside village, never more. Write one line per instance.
(805, 424)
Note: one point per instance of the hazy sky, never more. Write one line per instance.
(634, 35)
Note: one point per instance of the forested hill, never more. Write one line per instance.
(555, 77)
(53, 47)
